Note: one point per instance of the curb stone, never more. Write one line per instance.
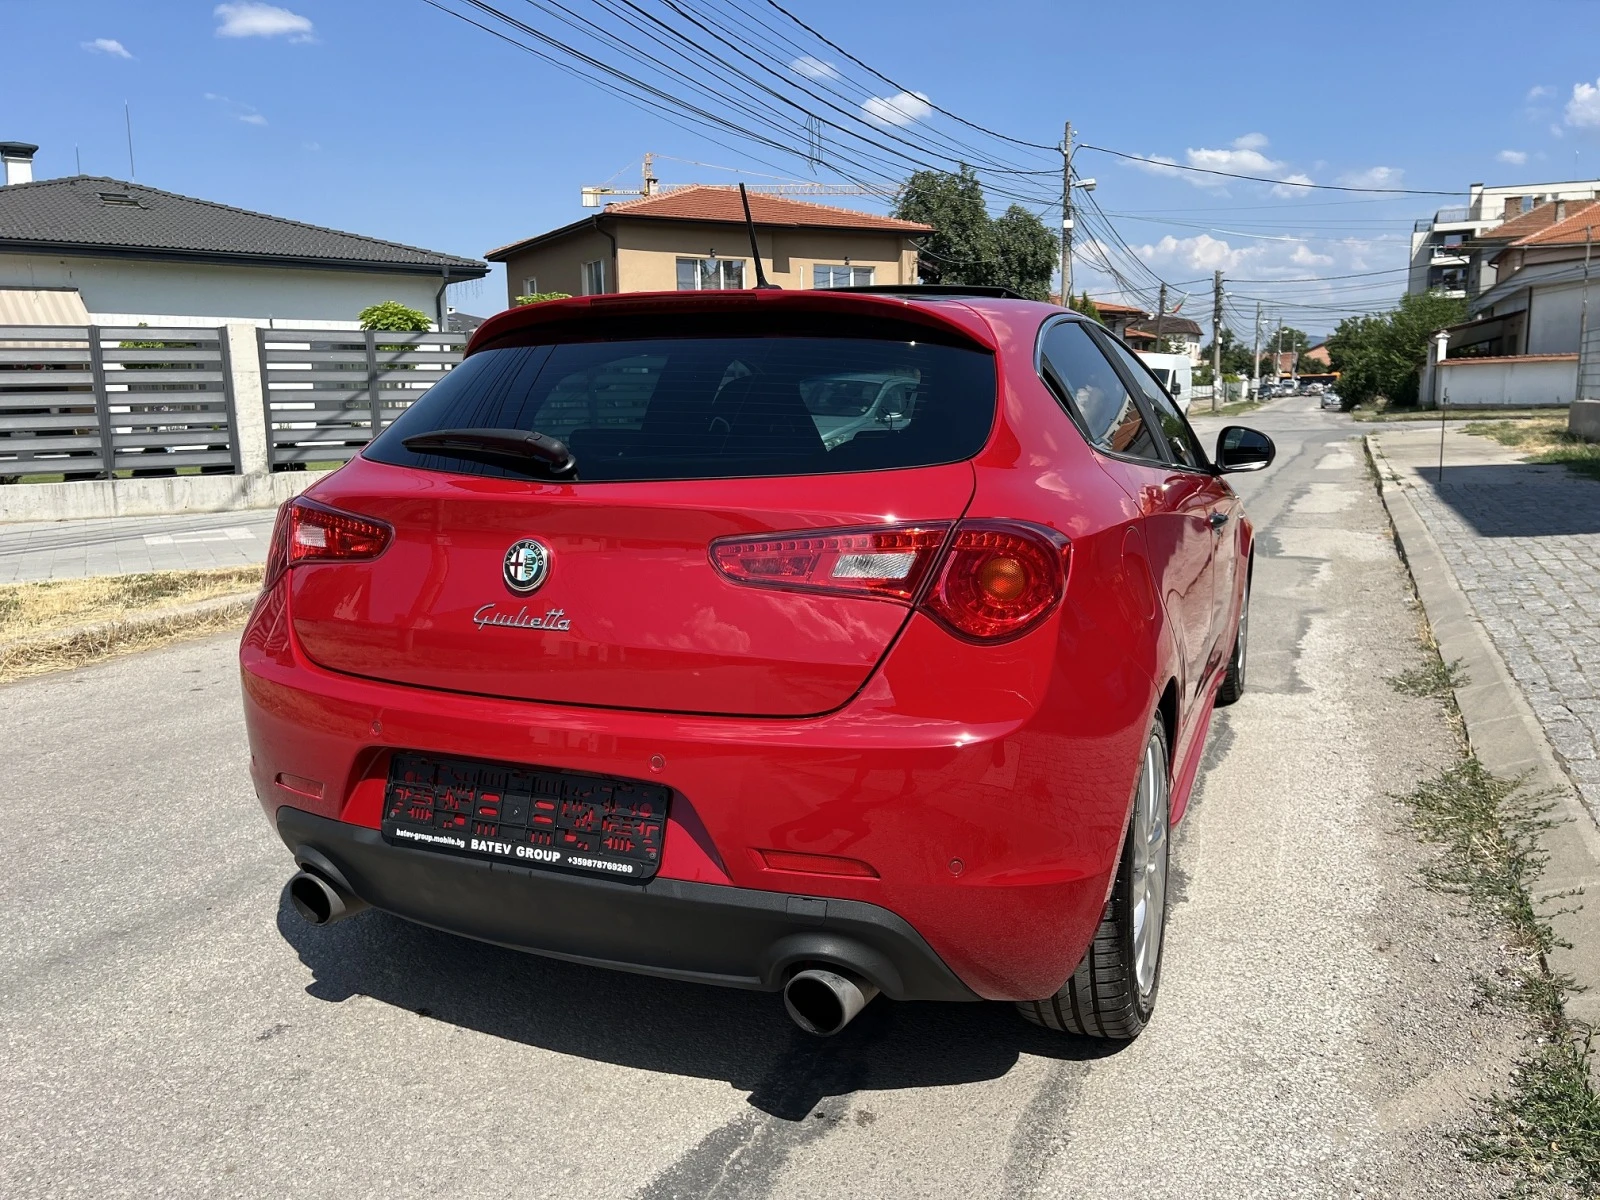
(1507, 739)
(179, 615)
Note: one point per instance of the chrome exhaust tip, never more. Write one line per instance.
(823, 1001)
(319, 901)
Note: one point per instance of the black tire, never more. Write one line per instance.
(1233, 682)
(1104, 998)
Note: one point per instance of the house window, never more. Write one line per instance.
(824, 275)
(710, 274)
(530, 286)
(594, 277)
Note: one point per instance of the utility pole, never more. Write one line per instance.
(1161, 317)
(1066, 216)
(1255, 357)
(1585, 358)
(1216, 338)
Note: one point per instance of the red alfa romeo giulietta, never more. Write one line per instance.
(823, 642)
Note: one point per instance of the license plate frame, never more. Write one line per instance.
(523, 815)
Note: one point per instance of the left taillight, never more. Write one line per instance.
(307, 531)
(988, 581)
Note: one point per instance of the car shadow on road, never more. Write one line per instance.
(662, 1025)
(1526, 500)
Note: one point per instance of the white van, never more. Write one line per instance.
(1175, 372)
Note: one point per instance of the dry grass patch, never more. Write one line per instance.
(60, 623)
(1543, 440)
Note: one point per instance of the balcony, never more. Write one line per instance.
(1449, 256)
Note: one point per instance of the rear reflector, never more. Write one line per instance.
(299, 785)
(814, 864)
(990, 581)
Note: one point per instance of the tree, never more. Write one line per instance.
(1235, 355)
(1381, 356)
(1028, 253)
(394, 317)
(1085, 306)
(967, 246)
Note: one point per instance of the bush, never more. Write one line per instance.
(536, 297)
(395, 317)
(1383, 355)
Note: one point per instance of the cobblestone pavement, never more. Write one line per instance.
(122, 545)
(1524, 543)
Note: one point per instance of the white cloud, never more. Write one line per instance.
(249, 19)
(814, 68)
(1286, 188)
(903, 108)
(1158, 164)
(1514, 157)
(107, 46)
(1374, 177)
(1244, 158)
(1583, 110)
(248, 113)
(1540, 92)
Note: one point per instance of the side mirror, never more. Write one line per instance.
(1241, 449)
(1177, 388)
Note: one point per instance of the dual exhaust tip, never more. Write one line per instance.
(820, 1000)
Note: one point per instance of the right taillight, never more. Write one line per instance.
(998, 579)
(306, 531)
(994, 581)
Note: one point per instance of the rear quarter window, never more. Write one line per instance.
(710, 408)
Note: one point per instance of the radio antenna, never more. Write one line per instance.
(755, 251)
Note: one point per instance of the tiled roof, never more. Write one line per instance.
(1567, 232)
(1534, 220)
(1170, 325)
(89, 213)
(706, 202)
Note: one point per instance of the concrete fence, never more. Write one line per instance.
(143, 421)
(1526, 381)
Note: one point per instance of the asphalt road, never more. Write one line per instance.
(171, 1027)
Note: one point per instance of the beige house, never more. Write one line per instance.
(693, 238)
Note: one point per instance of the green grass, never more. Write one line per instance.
(1202, 408)
(1546, 1128)
(1457, 414)
(1544, 440)
(1432, 677)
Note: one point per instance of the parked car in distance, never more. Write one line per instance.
(1330, 399)
(605, 650)
(842, 406)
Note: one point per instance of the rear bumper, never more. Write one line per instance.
(700, 932)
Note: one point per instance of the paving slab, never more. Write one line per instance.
(125, 545)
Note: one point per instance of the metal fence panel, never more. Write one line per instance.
(86, 402)
(328, 392)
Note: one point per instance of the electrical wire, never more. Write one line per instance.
(1290, 183)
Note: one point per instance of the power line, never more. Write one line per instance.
(1290, 183)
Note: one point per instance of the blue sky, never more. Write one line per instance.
(390, 118)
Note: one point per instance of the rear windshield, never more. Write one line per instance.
(714, 408)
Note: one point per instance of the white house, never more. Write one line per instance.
(135, 254)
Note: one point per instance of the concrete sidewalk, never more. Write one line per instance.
(123, 545)
(1523, 542)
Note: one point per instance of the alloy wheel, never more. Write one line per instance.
(1149, 883)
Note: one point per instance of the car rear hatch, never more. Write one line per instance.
(688, 428)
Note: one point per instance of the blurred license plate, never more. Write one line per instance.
(558, 820)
